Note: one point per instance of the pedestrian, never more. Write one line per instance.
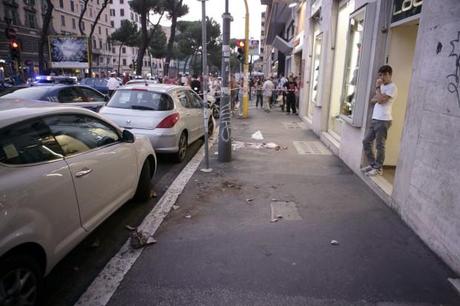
(385, 94)
(195, 84)
(268, 88)
(259, 92)
(112, 83)
(125, 78)
(291, 88)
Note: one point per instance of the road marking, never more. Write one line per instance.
(106, 283)
(285, 210)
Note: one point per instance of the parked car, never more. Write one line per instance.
(75, 95)
(63, 171)
(141, 81)
(170, 115)
(100, 84)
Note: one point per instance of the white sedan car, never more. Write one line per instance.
(63, 171)
(171, 116)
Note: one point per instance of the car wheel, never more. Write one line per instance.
(182, 153)
(210, 126)
(143, 186)
(20, 281)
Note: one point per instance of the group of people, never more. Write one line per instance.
(271, 90)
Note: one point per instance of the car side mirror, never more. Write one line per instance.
(128, 137)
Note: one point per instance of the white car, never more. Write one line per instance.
(63, 171)
(170, 115)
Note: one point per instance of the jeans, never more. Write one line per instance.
(291, 103)
(377, 131)
(259, 99)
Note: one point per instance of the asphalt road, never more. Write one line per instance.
(70, 278)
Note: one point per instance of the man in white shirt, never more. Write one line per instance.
(267, 89)
(385, 94)
(112, 83)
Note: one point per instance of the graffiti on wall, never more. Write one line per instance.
(454, 78)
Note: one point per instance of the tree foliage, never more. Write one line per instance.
(157, 44)
(126, 35)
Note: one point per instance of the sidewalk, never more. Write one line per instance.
(222, 248)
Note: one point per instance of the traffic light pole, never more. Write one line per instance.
(225, 140)
(246, 64)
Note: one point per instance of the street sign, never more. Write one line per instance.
(253, 47)
(10, 33)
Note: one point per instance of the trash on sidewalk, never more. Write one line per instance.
(249, 200)
(274, 220)
(175, 207)
(130, 228)
(257, 136)
(140, 239)
(231, 185)
(334, 242)
(271, 145)
(188, 217)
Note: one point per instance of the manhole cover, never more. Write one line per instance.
(311, 148)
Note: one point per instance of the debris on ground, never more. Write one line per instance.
(175, 207)
(274, 220)
(257, 136)
(249, 200)
(231, 185)
(96, 243)
(140, 239)
(279, 217)
(188, 217)
(334, 242)
(130, 228)
(153, 194)
(271, 145)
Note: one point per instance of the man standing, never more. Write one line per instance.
(385, 94)
(112, 83)
(291, 89)
(267, 89)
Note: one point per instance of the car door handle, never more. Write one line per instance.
(83, 172)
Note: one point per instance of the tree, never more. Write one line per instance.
(157, 44)
(44, 36)
(189, 41)
(143, 8)
(93, 27)
(175, 10)
(126, 35)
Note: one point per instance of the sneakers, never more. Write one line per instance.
(375, 172)
(366, 169)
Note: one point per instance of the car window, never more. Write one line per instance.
(184, 99)
(141, 100)
(91, 95)
(79, 133)
(30, 93)
(195, 99)
(27, 143)
(70, 95)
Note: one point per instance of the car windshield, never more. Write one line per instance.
(31, 93)
(141, 100)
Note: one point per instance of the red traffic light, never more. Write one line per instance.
(241, 43)
(14, 45)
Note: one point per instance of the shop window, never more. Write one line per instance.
(357, 61)
(316, 68)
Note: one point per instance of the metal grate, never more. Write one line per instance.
(311, 148)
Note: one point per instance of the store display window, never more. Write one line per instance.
(352, 62)
(316, 60)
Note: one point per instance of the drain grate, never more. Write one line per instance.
(311, 148)
(294, 125)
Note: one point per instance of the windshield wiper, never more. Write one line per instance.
(140, 107)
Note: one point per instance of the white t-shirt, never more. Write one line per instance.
(383, 111)
(113, 84)
(268, 88)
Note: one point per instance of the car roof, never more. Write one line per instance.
(161, 88)
(17, 110)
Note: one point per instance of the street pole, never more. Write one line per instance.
(225, 135)
(204, 54)
(246, 65)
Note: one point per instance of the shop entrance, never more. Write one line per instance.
(400, 54)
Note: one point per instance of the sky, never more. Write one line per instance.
(215, 9)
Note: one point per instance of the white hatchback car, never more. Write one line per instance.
(63, 171)
(170, 115)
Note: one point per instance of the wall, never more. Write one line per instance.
(400, 57)
(426, 188)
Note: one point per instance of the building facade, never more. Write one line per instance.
(344, 44)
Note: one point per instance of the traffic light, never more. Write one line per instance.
(15, 50)
(240, 49)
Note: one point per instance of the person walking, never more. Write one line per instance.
(259, 97)
(267, 89)
(112, 83)
(385, 94)
(291, 89)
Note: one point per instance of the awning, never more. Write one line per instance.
(282, 45)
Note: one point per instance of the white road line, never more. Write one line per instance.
(106, 283)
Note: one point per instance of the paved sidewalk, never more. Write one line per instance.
(221, 248)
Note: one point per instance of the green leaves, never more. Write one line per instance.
(127, 34)
(157, 44)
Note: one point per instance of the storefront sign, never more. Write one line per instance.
(68, 51)
(403, 9)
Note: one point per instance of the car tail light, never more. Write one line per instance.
(169, 121)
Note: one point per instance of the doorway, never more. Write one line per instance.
(400, 55)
